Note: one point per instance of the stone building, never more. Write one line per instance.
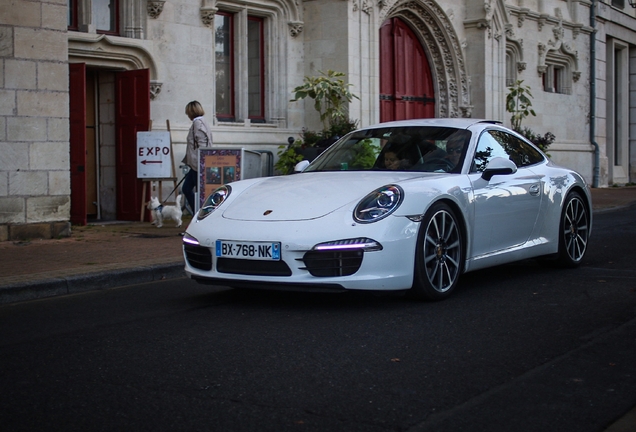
(79, 78)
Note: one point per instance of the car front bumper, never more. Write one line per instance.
(390, 268)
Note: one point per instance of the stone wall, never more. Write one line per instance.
(34, 119)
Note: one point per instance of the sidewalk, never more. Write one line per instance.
(96, 256)
(112, 254)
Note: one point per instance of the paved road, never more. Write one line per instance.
(523, 347)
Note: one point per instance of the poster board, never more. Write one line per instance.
(154, 155)
(217, 167)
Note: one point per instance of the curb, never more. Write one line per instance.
(89, 282)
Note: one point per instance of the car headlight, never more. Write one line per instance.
(213, 201)
(378, 204)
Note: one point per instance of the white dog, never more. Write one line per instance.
(161, 212)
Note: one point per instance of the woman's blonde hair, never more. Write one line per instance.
(194, 109)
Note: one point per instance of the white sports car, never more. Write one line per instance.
(408, 205)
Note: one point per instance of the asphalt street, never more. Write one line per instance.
(522, 347)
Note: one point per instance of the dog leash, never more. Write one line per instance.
(175, 188)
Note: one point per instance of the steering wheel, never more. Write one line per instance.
(435, 164)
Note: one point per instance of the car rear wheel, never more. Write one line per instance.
(439, 256)
(574, 231)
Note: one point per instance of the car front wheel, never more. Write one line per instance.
(574, 231)
(439, 256)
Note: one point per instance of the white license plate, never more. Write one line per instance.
(268, 251)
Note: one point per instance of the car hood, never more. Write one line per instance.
(307, 195)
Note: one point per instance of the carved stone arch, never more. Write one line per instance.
(558, 48)
(559, 54)
(437, 35)
(113, 53)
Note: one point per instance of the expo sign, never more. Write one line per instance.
(154, 155)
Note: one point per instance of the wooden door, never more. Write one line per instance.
(406, 83)
(91, 147)
(77, 120)
(132, 115)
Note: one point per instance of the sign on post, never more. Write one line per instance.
(154, 155)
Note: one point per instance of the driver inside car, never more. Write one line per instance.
(454, 149)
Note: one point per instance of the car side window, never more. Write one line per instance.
(520, 152)
(487, 148)
(494, 143)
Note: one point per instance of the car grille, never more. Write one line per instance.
(198, 257)
(253, 267)
(333, 263)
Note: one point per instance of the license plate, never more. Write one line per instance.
(267, 251)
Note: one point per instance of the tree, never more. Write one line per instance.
(331, 97)
(330, 94)
(518, 103)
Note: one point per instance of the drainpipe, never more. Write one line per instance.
(597, 157)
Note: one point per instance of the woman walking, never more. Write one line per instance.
(199, 135)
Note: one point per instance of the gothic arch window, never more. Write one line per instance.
(558, 64)
(558, 71)
(555, 78)
(514, 61)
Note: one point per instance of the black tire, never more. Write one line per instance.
(439, 257)
(574, 231)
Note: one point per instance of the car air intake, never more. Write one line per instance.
(253, 267)
(330, 263)
(198, 257)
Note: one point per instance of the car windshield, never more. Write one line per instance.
(422, 149)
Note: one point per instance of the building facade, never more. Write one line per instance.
(79, 78)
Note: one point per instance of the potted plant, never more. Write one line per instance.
(331, 95)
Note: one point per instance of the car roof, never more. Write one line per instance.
(460, 123)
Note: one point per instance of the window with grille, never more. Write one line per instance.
(240, 67)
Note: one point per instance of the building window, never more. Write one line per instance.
(240, 67)
(104, 15)
(618, 4)
(255, 75)
(554, 80)
(223, 55)
(72, 15)
(558, 67)
(100, 16)
(511, 71)
(514, 61)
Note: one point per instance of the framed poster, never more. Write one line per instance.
(217, 167)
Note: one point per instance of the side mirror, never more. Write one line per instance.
(499, 166)
(300, 166)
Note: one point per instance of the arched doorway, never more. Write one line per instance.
(406, 82)
(109, 102)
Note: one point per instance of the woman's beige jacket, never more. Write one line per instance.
(199, 135)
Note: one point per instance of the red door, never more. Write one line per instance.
(132, 115)
(77, 114)
(406, 84)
